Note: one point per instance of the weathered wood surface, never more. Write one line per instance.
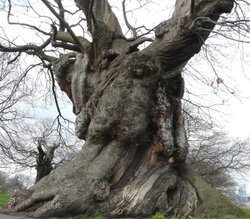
(128, 110)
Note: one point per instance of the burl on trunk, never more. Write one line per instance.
(128, 110)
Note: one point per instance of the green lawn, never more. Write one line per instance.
(4, 198)
(159, 216)
(247, 212)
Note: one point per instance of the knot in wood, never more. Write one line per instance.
(100, 190)
(63, 64)
(140, 65)
(82, 123)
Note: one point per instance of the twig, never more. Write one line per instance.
(54, 92)
(14, 59)
(23, 24)
(130, 27)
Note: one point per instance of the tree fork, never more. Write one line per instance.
(129, 112)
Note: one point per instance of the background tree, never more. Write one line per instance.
(213, 154)
(3, 187)
(16, 183)
(44, 159)
(11, 184)
(128, 110)
(19, 128)
(34, 145)
(13, 89)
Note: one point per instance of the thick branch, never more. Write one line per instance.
(99, 14)
(66, 40)
(62, 21)
(180, 37)
(66, 37)
(61, 14)
(31, 49)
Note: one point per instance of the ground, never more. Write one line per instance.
(5, 197)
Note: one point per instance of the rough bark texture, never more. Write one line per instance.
(44, 159)
(128, 110)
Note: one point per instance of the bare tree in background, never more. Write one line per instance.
(34, 143)
(212, 153)
(11, 184)
(44, 159)
(128, 110)
(54, 148)
(13, 89)
(3, 183)
(17, 130)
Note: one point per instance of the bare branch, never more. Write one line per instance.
(23, 24)
(130, 27)
(174, 36)
(65, 38)
(31, 49)
(99, 14)
(54, 92)
(61, 14)
(62, 21)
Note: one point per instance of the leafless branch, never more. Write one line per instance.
(23, 24)
(63, 22)
(130, 27)
(61, 14)
(54, 92)
(30, 49)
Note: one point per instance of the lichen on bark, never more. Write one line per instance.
(128, 110)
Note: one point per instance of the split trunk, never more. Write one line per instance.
(128, 110)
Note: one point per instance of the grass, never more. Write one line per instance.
(247, 213)
(96, 217)
(245, 210)
(160, 216)
(4, 198)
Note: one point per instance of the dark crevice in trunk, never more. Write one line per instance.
(128, 111)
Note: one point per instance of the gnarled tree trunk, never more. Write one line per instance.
(44, 159)
(128, 109)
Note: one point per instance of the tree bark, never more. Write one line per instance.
(128, 110)
(44, 159)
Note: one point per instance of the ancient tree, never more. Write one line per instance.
(128, 110)
(44, 159)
